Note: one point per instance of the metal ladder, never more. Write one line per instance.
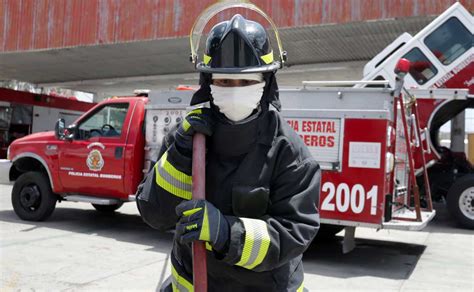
(411, 148)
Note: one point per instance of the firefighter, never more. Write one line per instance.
(262, 184)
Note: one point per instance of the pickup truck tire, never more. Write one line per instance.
(32, 197)
(107, 208)
(460, 201)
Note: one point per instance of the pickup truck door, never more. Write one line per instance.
(93, 162)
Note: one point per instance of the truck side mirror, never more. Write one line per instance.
(59, 129)
(70, 132)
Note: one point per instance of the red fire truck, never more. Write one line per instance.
(365, 139)
(353, 133)
(442, 56)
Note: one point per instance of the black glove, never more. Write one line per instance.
(199, 120)
(200, 220)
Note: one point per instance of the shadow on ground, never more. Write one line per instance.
(373, 258)
(119, 226)
(376, 258)
(443, 222)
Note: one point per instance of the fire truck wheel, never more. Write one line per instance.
(460, 201)
(107, 208)
(328, 231)
(32, 197)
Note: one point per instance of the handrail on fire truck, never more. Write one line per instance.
(385, 83)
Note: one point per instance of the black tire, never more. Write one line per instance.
(328, 231)
(32, 197)
(460, 201)
(107, 208)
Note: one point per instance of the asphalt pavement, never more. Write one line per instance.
(79, 249)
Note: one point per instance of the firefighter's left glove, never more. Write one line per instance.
(200, 220)
(199, 120)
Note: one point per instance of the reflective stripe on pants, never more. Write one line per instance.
(180, 283)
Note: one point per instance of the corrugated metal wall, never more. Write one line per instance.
(43, 24)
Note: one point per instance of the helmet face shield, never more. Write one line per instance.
(234, 46)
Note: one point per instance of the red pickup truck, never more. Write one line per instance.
(99, 159)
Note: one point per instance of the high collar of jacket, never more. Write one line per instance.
(235, 140)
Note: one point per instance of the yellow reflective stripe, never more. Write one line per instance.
(191, 212)
(248, 244)
(300, 288)
(262, 252)
(205, 232)
(256, 243)
(180, 176)
(179, 281)
(172, 189)
(208, 246)
(206, 59)
(172, 180)
(186, 125)
(268, 58)
(195, 111)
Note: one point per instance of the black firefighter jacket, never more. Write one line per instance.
(261, 176)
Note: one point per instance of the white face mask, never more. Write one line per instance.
(237, 103)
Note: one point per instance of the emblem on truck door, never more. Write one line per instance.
(95, 162)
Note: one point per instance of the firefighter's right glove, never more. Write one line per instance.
(200, 220)
(199, 120)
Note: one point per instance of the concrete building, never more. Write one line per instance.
(111, 47)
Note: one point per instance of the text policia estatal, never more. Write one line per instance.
(315, 133)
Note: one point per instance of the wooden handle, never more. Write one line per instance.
(199, 192)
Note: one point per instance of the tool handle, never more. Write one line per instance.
(199, 192)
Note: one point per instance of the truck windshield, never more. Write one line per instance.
(106, 122)
(421, 68)
(449, 41)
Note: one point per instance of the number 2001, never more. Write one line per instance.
(346, 198)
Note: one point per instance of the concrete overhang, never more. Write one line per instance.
(77, 67)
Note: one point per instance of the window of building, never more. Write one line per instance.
(449, 41)
(421, 68)
(5, 115)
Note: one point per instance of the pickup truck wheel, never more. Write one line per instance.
(32, 197)
(460, 201)
(107, 208)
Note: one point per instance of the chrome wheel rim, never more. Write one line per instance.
(466, 203)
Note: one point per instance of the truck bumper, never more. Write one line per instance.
(5, 166)
(402, 221)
